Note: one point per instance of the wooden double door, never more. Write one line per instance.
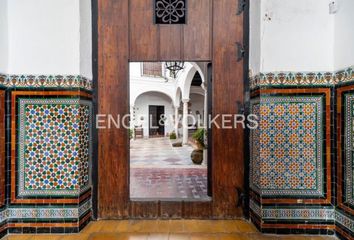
(213, 32)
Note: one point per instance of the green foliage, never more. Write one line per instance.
(131, 133)
(173, 136)
(199, 136)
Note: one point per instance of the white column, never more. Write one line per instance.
(132, 117)
(176, 120)
(205, 122)
(185, 121)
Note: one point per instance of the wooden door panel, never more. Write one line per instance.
(112, 87)
(227, 144)
(126, 32)
(170, 40)
(144, 38)
(197, 31)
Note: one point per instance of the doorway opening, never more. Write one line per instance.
(168, 131)
(156, 127)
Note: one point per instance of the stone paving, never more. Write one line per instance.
(158, 170)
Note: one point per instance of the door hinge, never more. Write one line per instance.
(240, 51)
(240, 108)
(241, 197)
(241, 7)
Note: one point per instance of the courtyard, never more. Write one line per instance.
(158, 170)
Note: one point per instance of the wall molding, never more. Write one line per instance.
(316, 79)
(45, 81)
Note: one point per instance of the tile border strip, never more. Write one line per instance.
(348, 157)
(45, 212)
(293, 213)
(345, 221)
(45, 81)
(317, 79)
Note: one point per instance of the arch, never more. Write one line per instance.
(187, 78)
(178, 97)
(137, 94)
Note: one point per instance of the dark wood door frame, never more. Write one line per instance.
(117, 29)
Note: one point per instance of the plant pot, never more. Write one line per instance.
(177, 144)
(197, 156)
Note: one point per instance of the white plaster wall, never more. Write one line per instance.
(255, 37)
(344, 35)
(44, 36)
(139, 84)
(141, 109)
(85, 39)
(294, 36)
(197, 102)
(3, 36)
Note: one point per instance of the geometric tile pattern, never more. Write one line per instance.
(2, 149)
(256, 208)
(306, 213)
(47, 212)
(302, 78)
(345, 221)
(45, 81)
(3, 215)
(293, 213)
(289, 159)
(348, 160)
(54, 146)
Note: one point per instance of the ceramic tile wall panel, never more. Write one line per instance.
(50, 161)
(348, 159)
(2, 149)
(255, 170)
(2, 165)
(53, 147)
(345, 161)
(291, 129)
(290, 163)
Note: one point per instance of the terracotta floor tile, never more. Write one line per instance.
(93, 227)
(229, 226)
(136, 226)
(75, 237)
(244, 226)
(104, 236)
(123, 226)
(134, 236)
(18, 237)
(109, 226)
(197, 226)
(158, 236)
(200, 236)
(178, 236)
(176, 226)
(46, 237)
(235, 236)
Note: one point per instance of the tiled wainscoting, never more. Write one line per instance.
(45, 154)
(301, 168)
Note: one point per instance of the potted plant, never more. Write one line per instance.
(197, 154)
(173, 136)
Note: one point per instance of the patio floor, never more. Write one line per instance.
(158, 170)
